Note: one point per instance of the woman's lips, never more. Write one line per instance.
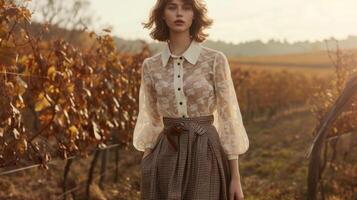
(179, 22)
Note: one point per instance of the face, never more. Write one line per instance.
(178, 15)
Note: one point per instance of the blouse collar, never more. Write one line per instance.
(191, 54)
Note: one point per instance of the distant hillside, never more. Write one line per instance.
(245, 49)
(252, 48)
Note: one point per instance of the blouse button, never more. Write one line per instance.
(180, 102)
(178, 76)
(183, 115)
(181, 58)
(178, 63)
(178, 89)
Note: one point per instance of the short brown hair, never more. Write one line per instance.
(161, 30)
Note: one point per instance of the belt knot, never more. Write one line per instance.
(178, 128)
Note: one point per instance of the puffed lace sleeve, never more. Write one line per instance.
(149, 122)
(228, 118)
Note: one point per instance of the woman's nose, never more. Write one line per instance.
(179, 12)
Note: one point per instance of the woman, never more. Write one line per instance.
(189, 123)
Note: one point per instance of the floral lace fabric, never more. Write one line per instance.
(196, 83)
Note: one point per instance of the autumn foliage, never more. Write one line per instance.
(57, 99)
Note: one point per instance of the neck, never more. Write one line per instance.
(179, 42)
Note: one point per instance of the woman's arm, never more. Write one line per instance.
(234, 166)
(149, 121)
(235, 191)
(234, 138)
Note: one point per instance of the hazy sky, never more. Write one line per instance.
(242, 20)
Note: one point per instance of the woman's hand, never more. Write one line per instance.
(235, 189)
(146, 152)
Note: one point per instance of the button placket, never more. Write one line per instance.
(178, 86)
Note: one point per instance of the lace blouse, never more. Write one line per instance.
(194, 84)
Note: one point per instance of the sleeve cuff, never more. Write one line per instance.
(149, 145)
(232, 156)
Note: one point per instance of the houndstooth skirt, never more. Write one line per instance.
(186, 163)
